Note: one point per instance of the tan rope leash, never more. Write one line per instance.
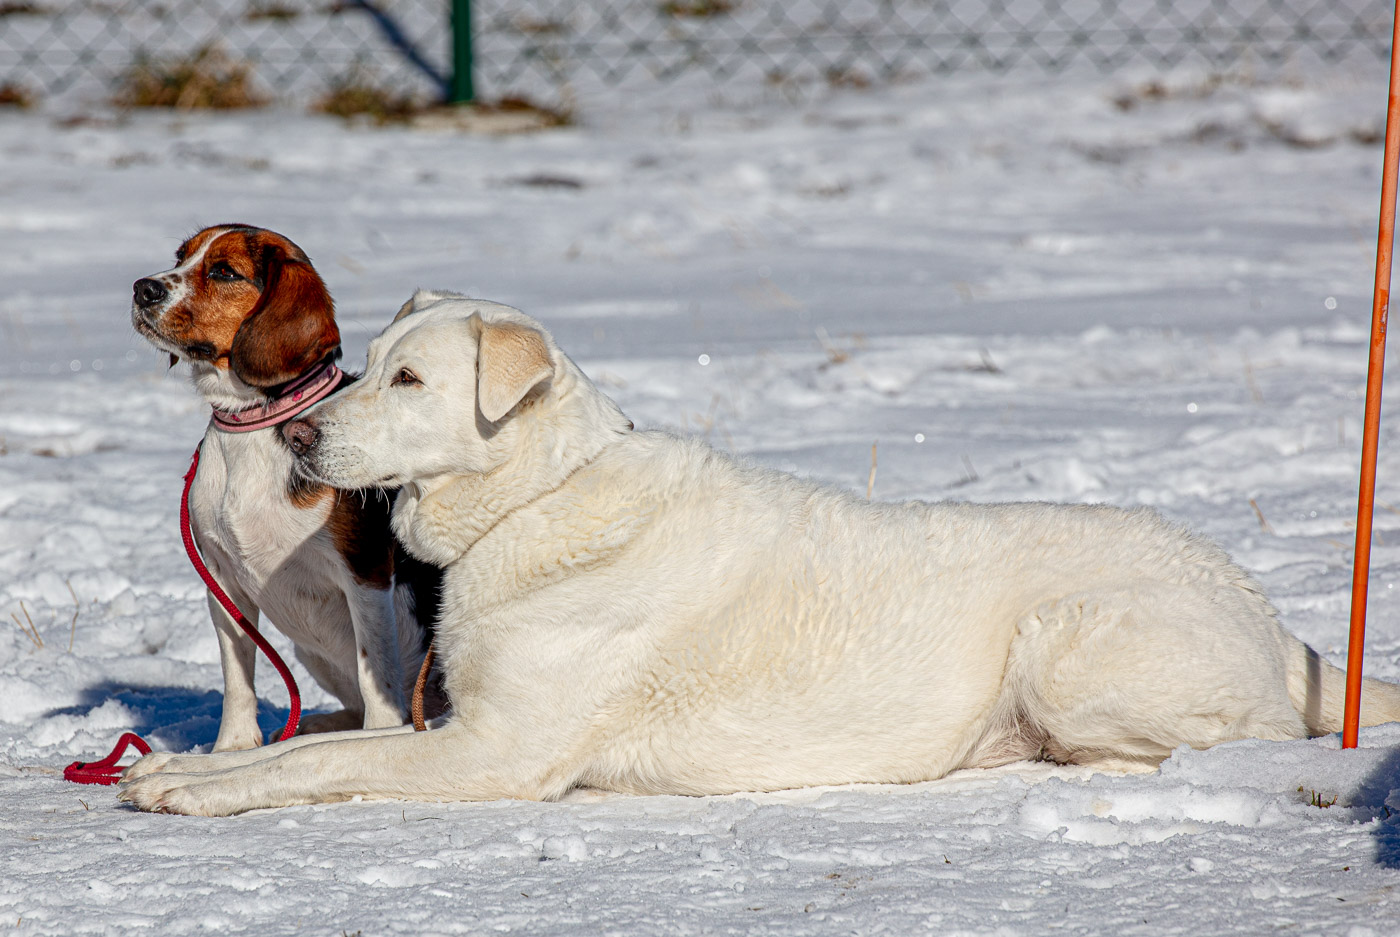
(419, 725)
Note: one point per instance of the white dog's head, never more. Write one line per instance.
(457, 388)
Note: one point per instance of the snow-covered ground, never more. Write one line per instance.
(1027, 288)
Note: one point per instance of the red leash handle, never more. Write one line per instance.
(107, 771)
(187, 534)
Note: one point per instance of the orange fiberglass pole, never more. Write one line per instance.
(1380, 311)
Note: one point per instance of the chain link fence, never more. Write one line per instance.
(294, 49)
(859, 41)
(297, 49)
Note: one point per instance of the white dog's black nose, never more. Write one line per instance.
(300, 435)
(148, 292)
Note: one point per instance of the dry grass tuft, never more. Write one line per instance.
(30, 631)
(1316, 799)
(208, 80)
(519, 106)
(697, 9)
(17, 95)
(77, 607)
(850, 77)
(271, 10)
(353, 98)
(530, 26)
(507, 115)
(1264, 524)
(874, 464)
(356, 98)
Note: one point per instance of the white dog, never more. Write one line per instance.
(637, 612)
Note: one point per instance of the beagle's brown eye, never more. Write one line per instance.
(405, 376)
(222, 271)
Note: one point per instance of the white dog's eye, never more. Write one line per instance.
(405, 376)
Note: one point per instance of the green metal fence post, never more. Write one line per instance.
(462, 90)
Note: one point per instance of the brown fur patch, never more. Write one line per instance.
(359, 525)
(271, 320)
(207, 319)
(306, 494)
(292, 326)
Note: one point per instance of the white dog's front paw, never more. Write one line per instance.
(189, 794)
(148, 764)
(171, 763)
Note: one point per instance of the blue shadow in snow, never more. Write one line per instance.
(169, 717)
(1375, 788)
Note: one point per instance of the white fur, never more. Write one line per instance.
(640, 613)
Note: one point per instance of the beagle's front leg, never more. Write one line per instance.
(238, 724)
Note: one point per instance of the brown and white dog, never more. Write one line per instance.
(245, 308)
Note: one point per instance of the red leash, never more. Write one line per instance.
(107, 771)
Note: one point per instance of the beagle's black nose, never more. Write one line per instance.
(300, 435)
(148, 292)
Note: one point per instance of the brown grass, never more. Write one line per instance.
(271, 10)
(208, 80)
(530, 26)
(874, 464)
(852, 78)
(16, 95)
(355, 98)
(516, 104)
(508, 115)
(1264, 525)
(30, 631)
(77, 607)
(697, 9)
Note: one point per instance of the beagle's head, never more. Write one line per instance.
(244, 300)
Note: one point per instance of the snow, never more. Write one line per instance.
(1085, 289)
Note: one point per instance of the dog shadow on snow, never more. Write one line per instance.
(1379, 794)
(172, 718)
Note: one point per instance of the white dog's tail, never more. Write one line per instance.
(1318, 692)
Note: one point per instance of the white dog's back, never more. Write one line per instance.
(746, 630)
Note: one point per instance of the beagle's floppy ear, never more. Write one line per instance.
(511, 360)
(293, 325)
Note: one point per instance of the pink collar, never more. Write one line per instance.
(295, 397)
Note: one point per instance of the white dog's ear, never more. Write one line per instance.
(512, 359)
(421, 299)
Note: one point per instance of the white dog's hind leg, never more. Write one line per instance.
(1133, 674)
